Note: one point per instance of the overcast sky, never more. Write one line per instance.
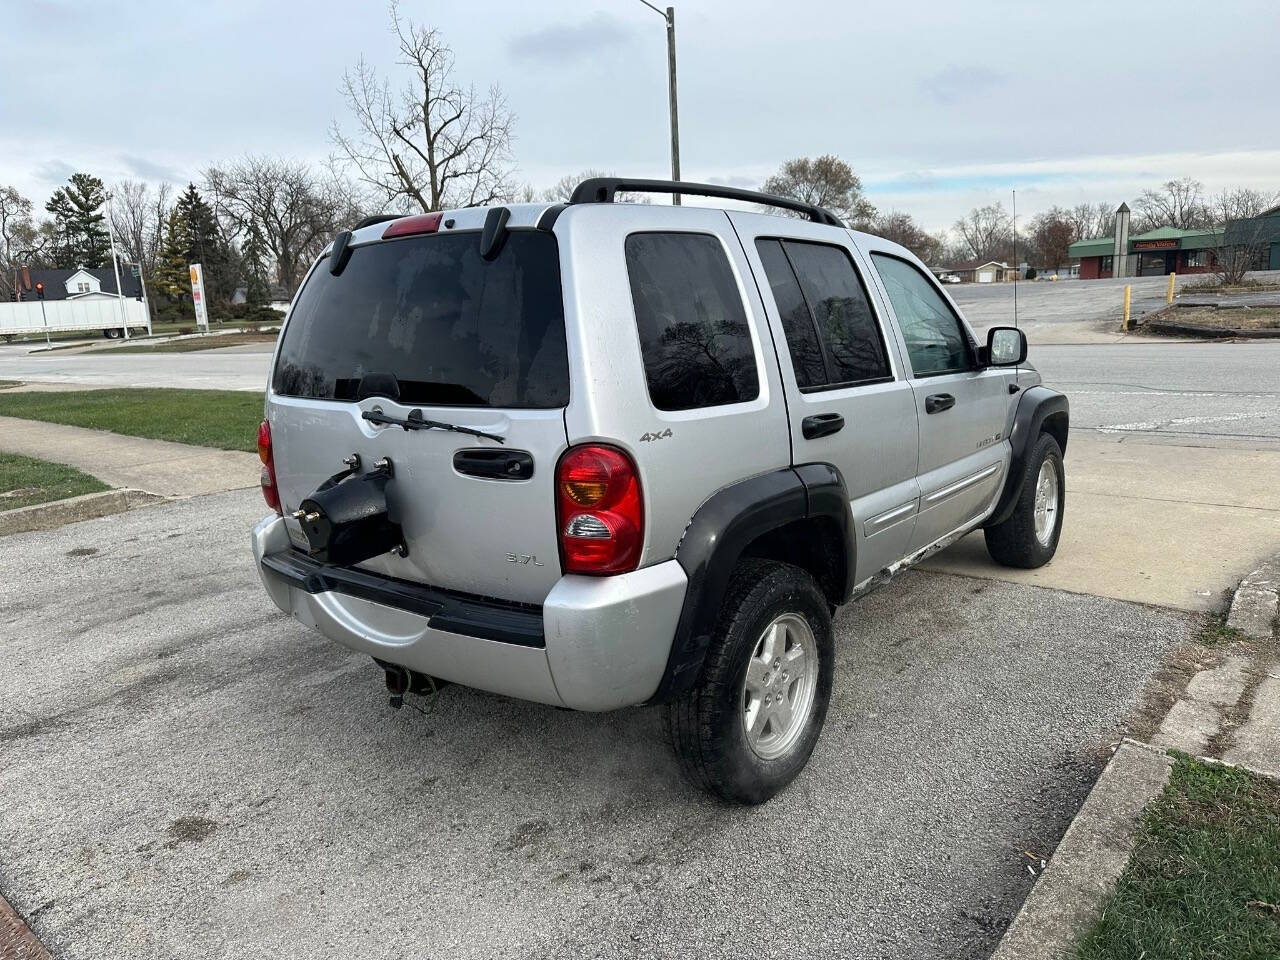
(938, 106)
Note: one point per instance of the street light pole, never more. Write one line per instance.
(115, 262)
(670, 16)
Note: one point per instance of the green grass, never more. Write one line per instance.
(1218, 634)
(1204, 879)
(6, 384)
(196, 343)
(225, 419)
(25, 481)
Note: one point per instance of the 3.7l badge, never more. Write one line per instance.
(524, 558)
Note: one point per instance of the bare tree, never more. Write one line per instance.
(1243, 236)
(138, 215)
(901, 228)
(1178, 203)
(17, 237)
(295, 210)
(562, 189)
(987, 232)
(826, 181)
(1091, 221)
(434, 144)
(1051, 234)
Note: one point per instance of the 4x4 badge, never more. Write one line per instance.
(656, 436)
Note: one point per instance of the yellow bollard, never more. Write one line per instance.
(1172, 278)
(1128, 293)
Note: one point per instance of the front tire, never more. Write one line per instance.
(750, 724)
(1029, 537)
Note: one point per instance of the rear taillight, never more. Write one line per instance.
(418, 223)
(600, 510)
(269, 491)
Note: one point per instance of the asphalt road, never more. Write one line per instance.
(1196, 394)
(1068, 311)
(184, 772)
(1202, 392)
(231, 368)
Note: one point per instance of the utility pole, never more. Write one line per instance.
(115, 263)
(670, 16)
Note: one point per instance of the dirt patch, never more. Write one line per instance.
(1238, 318)
(82, 552)
(190, 830)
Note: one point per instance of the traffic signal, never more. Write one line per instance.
(40, 290)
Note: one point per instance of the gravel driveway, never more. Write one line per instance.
(186, 773)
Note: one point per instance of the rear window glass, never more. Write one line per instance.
(693, 328)
(426, 321)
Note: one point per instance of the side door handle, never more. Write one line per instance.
(939, 402)
(821, 425)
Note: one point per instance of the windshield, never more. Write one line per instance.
(425, 320)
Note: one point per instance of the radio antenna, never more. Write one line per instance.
(1015, 258)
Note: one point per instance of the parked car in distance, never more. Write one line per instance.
(601, 454)
(949, 278)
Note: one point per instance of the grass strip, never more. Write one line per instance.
(25, 481)
(225, 419)
(1204, 879)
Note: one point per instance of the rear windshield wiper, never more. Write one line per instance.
(416, 421)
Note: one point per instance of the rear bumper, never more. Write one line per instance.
(597, 643)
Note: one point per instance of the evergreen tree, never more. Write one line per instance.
(257, 293)
(62, 250)
(80, 223)
(205, 246)
(173, 269)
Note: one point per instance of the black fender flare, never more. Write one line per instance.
(1036, 405)
(721, 529)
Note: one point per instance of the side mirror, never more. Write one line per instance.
(1006, 347)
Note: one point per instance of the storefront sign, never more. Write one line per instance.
(1155, 245)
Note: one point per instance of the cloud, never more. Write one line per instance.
(149, 169)
(954, 84)
(745, 183)
(53, 171)
(566, 42)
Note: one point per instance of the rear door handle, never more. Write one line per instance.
(821, 425)
(939, 402)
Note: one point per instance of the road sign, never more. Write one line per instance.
(197, 297)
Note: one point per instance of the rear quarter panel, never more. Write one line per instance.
(705, 449)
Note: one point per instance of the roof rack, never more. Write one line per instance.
(603, 189)
(378, 218)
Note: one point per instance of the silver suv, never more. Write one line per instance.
(600, 454)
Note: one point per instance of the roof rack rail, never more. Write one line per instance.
(603, 189)
(378, 218)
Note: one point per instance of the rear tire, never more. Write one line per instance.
(1029, 537)
(768, 668)
(113, 333)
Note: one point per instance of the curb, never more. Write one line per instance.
(1202, 332)
(1093, 852)
(1257, 601)
(46, 516)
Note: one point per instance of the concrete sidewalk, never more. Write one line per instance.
(1174, 526)
(156, 466)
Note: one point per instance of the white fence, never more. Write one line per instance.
(61, 316)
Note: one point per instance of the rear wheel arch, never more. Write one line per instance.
(798, 516)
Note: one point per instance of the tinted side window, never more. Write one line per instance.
(831, 333)
(936, 342)
(693, 328)
(797, 322)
